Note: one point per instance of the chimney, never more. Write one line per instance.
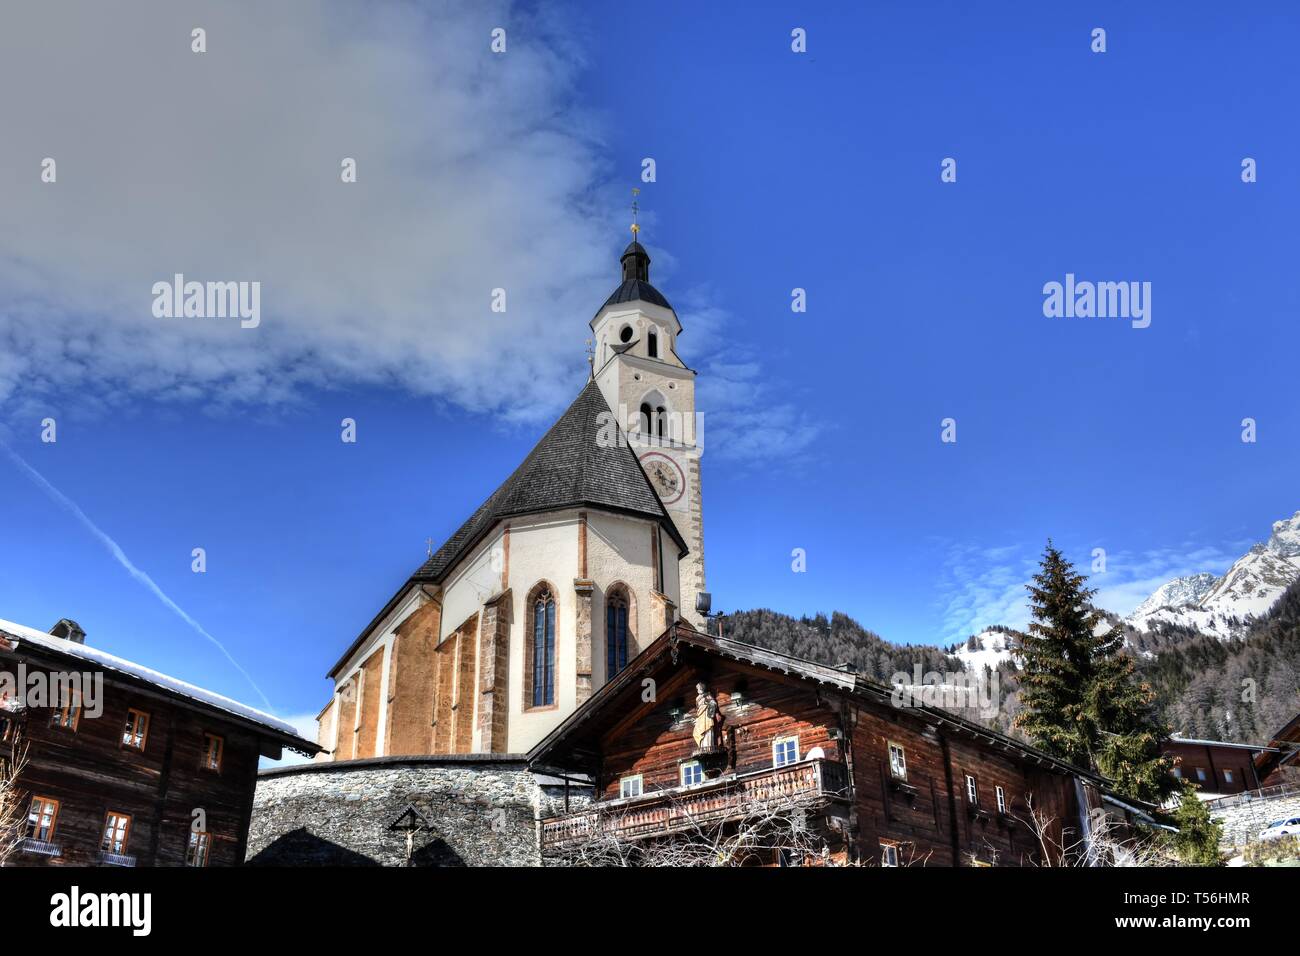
(69, 630)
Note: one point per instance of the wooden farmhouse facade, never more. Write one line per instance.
(800, 763)
(119, 765)
(1278, 765)
(1215, 767)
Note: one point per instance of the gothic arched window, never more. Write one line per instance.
(652, 344)
(541, 657)
(647, 414)
(616, 632)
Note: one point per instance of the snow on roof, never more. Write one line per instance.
(1174, 738)
(111, 662)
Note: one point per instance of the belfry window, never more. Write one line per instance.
(543, 653)
(652, 344)
(615, 633)
(647, 416)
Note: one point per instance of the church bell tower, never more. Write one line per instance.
(652, 394)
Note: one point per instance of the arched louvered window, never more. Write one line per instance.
(652, 344)
(647, 415)
(542, 611)
(616, 640)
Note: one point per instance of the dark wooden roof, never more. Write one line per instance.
(568, 468)
(635, 290)
(563, 747)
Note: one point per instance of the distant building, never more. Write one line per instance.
(125, 766)
(1217, 768)
(1280, 764)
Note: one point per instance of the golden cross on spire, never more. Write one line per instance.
(635, 210)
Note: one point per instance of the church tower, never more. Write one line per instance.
(652, 393)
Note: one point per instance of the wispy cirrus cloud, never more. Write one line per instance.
(748, 416)
(981, 585)
(120, 556)
(476, 171)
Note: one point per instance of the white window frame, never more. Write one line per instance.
(972, 790)
(623, 783)
(777, 744)
(888, 855)
(894, 768)
(1227, 776)
(1002, 799)
(688, 765)
(1200, 774)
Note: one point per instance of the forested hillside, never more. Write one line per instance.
(837, 640)
(1206, 687)
(1233, 690)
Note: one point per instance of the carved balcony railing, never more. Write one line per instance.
(115, 859)
(810, 783)
(39, 847)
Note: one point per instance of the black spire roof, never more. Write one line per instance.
(636, 285)
(568, 468)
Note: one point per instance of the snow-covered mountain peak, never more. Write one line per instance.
(987, 648)
(1186, 590)
(1285, 540)
(1224, 606)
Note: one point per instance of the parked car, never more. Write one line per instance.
(1280, 828)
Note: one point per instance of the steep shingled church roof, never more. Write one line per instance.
(568, 468)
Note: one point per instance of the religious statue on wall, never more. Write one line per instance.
(708, 721)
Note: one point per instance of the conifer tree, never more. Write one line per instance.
(1197, 839)
(1079, 692)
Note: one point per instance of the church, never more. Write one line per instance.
(590, 550)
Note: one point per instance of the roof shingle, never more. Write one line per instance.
(568, 468)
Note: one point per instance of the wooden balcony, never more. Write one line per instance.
(811, 784)
(39, 847)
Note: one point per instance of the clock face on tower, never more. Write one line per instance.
(665, 475)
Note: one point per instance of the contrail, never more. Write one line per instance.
(123, 560)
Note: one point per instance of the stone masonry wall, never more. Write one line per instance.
(1242, 822)
(482, 808)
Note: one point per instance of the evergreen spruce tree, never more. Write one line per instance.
(1080, 695)
(1197, 839)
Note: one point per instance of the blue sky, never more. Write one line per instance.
(774, 171)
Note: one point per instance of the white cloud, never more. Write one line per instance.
(475, 172)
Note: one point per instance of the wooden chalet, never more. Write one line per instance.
(864, 781)
(125, 766)
(1278, 765)
(1216, 767)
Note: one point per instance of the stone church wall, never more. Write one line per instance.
(482, 808)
